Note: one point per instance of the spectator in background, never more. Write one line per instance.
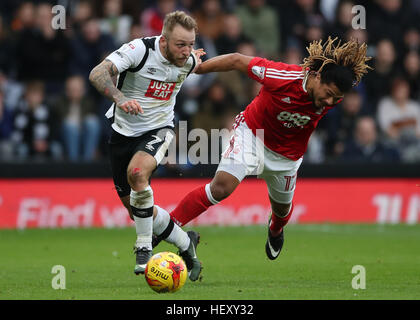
(260, 24)
(232, 35)
(89, 48)
(233, 40)
(378, 81)
(296, 17)
(238, 83)
(43, 52)
(6, 128)
(328, 9)
(341, 122)
(415, 6)
(210, 19)
(80, 124)
(12, 90)
(293, 55)
(314, 32)
(315, 152)
(360, 35)
(399, 119)
(115, 23)
(136, 32)
(365, 146)
(35, 126)
(188, 5)
(152, 17)
(412, 73)
(24, 17)
(213, 106)
(389, 19)
(412, 39)
(7, 55)
(343, 20)
(83, 11)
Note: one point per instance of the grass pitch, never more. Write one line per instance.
(316, 263)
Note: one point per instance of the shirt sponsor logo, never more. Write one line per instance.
(160, 90)
(293, 119)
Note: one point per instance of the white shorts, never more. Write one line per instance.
(247, 155)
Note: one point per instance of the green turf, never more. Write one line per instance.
(316, 263)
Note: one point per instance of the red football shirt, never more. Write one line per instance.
(282, 108)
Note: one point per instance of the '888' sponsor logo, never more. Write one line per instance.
(293, 119)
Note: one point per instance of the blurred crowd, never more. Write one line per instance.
(49, 111)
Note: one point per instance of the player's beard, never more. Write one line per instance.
(314, 101)
(172, 59)
(311, 96)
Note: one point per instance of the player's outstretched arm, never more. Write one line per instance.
(226, 62)
(101, 78)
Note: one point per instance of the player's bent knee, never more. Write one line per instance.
(220, 191)
(281, 209)
(137, 177)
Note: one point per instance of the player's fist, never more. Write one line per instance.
(130, 106)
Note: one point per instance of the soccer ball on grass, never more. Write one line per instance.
(166, 272)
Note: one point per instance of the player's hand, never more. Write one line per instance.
(130, 106)
(198, 54)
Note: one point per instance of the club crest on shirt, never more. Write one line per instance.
(181, 77)
(258, 71)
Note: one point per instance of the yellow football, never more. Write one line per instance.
(166, 272)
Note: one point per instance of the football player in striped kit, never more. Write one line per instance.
(292, 100)
(142, 78)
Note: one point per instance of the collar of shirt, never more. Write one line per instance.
(305, 78)
(162, 59)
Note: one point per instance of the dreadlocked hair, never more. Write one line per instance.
(343, 64)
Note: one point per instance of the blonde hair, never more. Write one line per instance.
(351, 55)
(178, 17)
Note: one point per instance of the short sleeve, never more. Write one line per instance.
(272, 74)
(129, 55)
(256, 69)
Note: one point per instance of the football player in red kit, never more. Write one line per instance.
(292, 100)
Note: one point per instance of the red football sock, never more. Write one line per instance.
(193, 204)
(277, 223)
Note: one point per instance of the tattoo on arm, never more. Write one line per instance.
(102, 77)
